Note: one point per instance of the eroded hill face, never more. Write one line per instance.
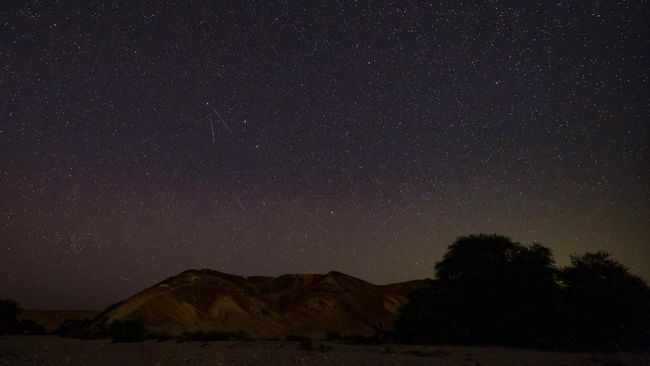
(308, 305)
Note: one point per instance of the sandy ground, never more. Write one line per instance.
(52, 350)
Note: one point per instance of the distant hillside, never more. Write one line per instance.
(308, 305)
(52, 319)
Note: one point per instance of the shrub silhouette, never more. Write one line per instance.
(28, 326)
(213, 336)
(74, 328)
(11, 322)
(10, 312)
(127, 331)
(491, 290)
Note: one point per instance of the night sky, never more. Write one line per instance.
(142, 139)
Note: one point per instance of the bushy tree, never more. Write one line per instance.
(424, 319)
(488, 289)
(606, 307)
(10, 312)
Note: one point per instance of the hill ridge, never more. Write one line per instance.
(310, 305)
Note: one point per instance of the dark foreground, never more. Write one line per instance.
(52, 350)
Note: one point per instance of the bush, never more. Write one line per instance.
(309, 346)
(28, 326)
(160, 337)
(296, 338)
(127, 331)
(354, 339)
(305, 346)
(74, 328)
(213, 336)
(324, 348)
(332, 335)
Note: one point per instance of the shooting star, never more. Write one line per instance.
(225, 125)
(212, 129)
(239, 203)
(237, 172)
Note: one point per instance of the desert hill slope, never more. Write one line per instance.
(308, 305)
(52, 319)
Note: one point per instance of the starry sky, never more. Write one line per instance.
(139, 139)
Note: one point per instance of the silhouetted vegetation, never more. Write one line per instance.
(127, 331)
(309, 346)
(11, 322)
(605, 306)
(213, 336)
(74, 328)
(355, 339)
(10, 312)
(28, 326)
(490, 290)
(296, 338)
(332, 335)
(305, 346)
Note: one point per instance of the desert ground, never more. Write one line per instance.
(53, 350)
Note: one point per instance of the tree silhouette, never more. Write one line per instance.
(10, 312)
(488, 289)
(605, 306)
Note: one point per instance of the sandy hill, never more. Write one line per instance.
(309, 305)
